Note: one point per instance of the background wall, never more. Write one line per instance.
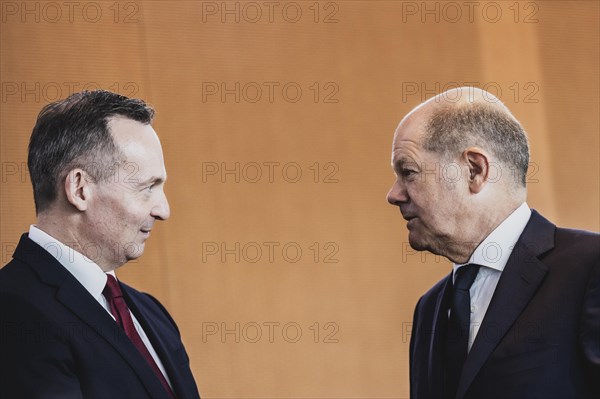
(288, 273)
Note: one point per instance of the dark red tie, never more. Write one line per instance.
(118, 307)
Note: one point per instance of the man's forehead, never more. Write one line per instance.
(127, 132)
(405, 152)
(409, 132)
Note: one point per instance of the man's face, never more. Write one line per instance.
(124, 208)
(428, 190)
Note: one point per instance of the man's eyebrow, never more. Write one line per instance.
(403, 161)
(152, 179)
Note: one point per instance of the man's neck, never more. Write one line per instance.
(70, 236)
(482, 224)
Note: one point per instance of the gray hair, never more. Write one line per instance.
(451, 129)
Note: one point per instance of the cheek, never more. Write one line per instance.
(434, 204)
(116, 215)
(423, 195)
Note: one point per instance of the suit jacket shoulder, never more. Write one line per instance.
(59, 342)
(540, 336)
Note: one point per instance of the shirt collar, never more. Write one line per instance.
(88, 273)
(495, 249)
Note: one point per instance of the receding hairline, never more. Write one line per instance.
(453, 99)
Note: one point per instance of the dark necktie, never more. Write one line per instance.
(457, 336)
(118, 308)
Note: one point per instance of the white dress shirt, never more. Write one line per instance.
(90, 276)
(492, 254)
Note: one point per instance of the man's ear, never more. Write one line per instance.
(478, 163)
(78, 188)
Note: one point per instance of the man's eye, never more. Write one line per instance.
(149, 188)
(407, 172)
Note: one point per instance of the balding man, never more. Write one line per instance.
(519, 315)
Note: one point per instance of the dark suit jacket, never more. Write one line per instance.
(58, 342)
(540, 337)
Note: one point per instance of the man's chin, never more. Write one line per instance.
(420, 244)
(134, 251)
(416, 243)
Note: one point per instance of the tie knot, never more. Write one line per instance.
(465, 275)
(112, 289)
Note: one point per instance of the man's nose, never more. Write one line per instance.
(397, 194)
(161, 210)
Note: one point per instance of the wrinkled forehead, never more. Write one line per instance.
(412, 127)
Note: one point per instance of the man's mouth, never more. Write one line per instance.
(409, 220)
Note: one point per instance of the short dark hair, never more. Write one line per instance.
(74, 133)
(450, 130)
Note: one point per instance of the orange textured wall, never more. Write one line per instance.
(288, 273)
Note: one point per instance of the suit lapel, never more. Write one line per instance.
(90, 311)
(519, 281)
(79, 301)
(161, 342)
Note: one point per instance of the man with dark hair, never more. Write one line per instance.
(69, 328)
(519, 315)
